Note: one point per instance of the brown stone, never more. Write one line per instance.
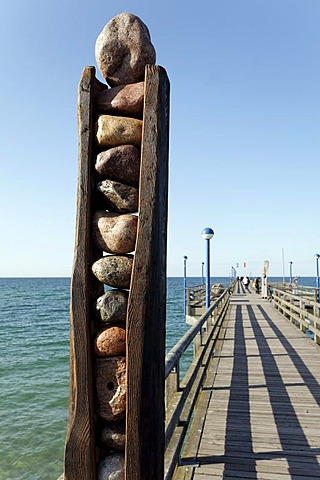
(114, 270)
(120, 163)
(112, 306)
(115, 233)
(111, 341)
(113, 437)
(112, 131)
(125, 100)
(111, 467)
(118, 197)
(123, 49)
(110, 375)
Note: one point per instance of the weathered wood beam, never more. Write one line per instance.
(80, 439)
(147, 299)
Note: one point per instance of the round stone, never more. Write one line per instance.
(112, 306)
(114, 270)
(118, 197)
(115, 233)
(113, 437)
(124, 100)
(121, 164)
(111, 467)
(123, 49)
(112, 131)
(111, 341)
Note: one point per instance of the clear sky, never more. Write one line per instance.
(244, 129)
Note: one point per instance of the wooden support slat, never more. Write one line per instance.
(80, 439)
(147, 298)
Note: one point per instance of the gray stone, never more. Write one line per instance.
(111, 341)
(115, 233)
(113, 437)
(123, 49)
(125, 100)
(112, 131)
(110, 377)
(112, 306)
(111, 467)
(121, 164)
(114, 270)
(119, 197)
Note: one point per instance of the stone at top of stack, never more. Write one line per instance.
(123, 49)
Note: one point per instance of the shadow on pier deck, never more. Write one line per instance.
(257, 415)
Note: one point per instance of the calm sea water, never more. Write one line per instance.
(34, 370)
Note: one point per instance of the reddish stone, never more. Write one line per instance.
(123, 49)
(111, 341)
(124, 100)
(121, 164)
(115, 233)
(110, 376)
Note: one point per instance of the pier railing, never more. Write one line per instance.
(302, 310)
(298, 290)
(181, 395)
(196, 297)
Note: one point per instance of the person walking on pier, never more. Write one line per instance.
(246, 282)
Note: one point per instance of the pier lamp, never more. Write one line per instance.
(207, 234)
(290, 265)
(317, 256)
(185, 258)
(202, 275)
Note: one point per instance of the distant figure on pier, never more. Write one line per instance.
(246, 283)
(256, 284)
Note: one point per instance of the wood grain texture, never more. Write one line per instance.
(147, 298)
(80, 439)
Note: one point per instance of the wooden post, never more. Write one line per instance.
(144, 456)
(80, 439)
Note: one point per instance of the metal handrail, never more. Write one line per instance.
(182, 396)
(175, 354)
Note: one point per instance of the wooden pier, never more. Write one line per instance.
(258, 411)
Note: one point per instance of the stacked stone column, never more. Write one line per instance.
(122, 51)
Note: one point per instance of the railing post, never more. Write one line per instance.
(172, 383)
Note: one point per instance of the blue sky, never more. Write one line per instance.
(244, 129)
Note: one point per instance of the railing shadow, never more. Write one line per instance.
(307, 376)
(240, 454)
(239, 395)
(280, 400)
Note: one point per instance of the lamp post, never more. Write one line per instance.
(233, 274)
(290, 265)
(202, 275)
(207, 234)
(185, 258)
(317, 256)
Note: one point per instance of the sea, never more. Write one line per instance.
(34, 369)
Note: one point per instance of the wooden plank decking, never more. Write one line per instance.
(258, 416)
